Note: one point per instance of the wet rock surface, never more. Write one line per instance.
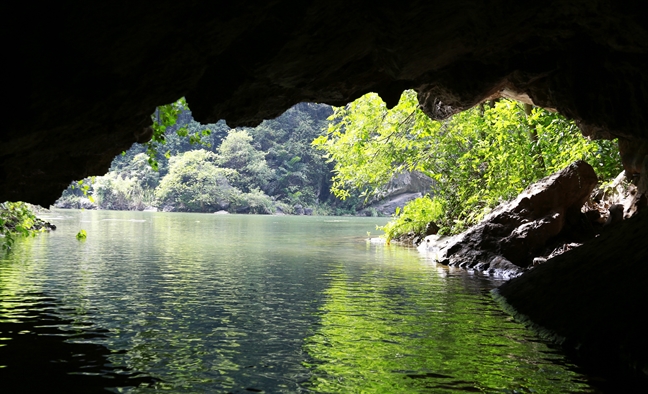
(510, 237)
(84, 77)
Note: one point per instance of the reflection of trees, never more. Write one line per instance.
(404, 330)
(208, 306)
(207, 303)
(42, 352)
(201, 302)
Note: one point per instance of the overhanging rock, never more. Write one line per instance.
(84, 77)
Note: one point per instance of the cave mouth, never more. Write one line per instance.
(177, 132)
(85, 80)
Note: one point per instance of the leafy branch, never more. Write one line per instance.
(164, 118)
(18, 220)
(477, 158)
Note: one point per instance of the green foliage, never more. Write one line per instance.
(195, 183)
(478, 158)
(81, 235)
(166, 122)
(237, 153)
(256, 201)
(414, 217)
(301, 175)
(274, 163)
(164, 117)
(360, 141)
(17, 220)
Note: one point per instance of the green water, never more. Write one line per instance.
(203, 303)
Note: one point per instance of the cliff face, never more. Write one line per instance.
(83, 78)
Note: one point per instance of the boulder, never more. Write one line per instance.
(590, 300)
(387, 206)
(510, 237)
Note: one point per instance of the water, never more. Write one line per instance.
(199, 303)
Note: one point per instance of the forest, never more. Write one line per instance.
(189, 167)
(322, 160)
(478, 158)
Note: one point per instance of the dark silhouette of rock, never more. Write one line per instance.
(431, 229)
(591, 300)
(84, 77)
(616, 215)
(509, 236)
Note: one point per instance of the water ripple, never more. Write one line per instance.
(227, 303)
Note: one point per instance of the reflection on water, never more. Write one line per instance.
(228, 303)
(42, 350)
(411, 331)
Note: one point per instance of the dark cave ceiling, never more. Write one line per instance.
(84, 78)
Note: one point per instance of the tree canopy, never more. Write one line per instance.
(203, 168)
(478, 158)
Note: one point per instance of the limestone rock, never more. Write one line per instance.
(508, 237)
(402, 189)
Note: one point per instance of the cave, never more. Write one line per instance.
(83, 80)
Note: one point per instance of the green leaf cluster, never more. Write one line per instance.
(17, 220)
(81, 235)
(478, 158)
(163, 118)
(414, 217)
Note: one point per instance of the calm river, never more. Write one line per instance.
(200, 303)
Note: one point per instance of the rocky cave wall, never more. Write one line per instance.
(84, 77)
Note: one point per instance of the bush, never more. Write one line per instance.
(18, 220)
(195, 184)
(255, 201)
(414, 217)
(119, 192)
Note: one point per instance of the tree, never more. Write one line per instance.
(196, 184)
(237, 153)
(301, 175)
(478, 158)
